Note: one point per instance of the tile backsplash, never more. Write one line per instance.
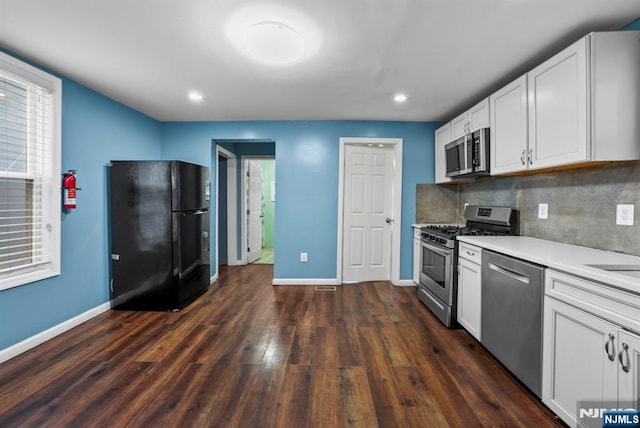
(582, 204)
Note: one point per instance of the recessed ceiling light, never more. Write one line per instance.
(274, 43)
(380, 145)
(3, 95)
(400, 98)
(194, 96)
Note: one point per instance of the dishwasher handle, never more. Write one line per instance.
(510, 273)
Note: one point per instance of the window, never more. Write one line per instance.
(30, 110)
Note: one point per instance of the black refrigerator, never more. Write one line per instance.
(159, 220)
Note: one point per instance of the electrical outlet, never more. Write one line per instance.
(543, 211)
(624, 214)
(303, 257)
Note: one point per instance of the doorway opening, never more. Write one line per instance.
(226, 208)
(259, 208)
(231, 155)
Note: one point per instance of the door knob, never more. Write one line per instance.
(389, 220)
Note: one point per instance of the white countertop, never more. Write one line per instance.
(564, 257)
(419, 225)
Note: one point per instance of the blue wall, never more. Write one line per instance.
(95, 129)
(307, 155)
(635, 25)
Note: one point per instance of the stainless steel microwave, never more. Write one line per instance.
(469, 155)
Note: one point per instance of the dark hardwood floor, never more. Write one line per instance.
(247, 354)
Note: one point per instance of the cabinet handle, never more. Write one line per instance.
(469, 253)
(522, 158)
(625, 351)
(611, 354)
(530, 155)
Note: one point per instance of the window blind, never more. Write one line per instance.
(25, 175)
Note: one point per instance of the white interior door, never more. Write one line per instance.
(368, 209)
(254, 217)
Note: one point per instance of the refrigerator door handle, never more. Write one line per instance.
(197, 212)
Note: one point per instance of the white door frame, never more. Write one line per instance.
(232, 216)
(243, 203)
(396, 143)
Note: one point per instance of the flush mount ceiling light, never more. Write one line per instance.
(274, 43)
(194, 96)
(400, 98)
(273, 35)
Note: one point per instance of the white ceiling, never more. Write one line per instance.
(445, 54)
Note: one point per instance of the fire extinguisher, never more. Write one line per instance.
(69, 189)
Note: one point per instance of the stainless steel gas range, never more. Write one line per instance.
(439, 255)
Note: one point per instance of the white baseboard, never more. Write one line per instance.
(33, 341)
(305, 281)
(405, 283)
(213, 279)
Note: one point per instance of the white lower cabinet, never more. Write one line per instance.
(628, 372)
(469, 288)
(588, 360)
(416, 255)
(577, 364)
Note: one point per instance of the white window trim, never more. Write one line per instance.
(54, 85)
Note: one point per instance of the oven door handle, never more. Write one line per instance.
(444, 253)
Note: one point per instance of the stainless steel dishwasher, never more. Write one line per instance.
(512, 293)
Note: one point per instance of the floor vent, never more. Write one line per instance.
(325, 288)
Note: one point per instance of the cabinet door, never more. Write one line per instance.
(579, 359)
(416, 255)
(558, 109)
(508, 113)
(479, 115)
(628, 372)
(459, 126)
(469, 296)
(443, 137)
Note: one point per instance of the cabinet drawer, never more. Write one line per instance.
(608, 302)
(470, 252)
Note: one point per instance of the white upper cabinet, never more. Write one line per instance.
(584, 102)
(479, 115)
(558, 109)
(443, 137)
(459, 126)
(475, 118)
(508, 107)
(580, 106)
